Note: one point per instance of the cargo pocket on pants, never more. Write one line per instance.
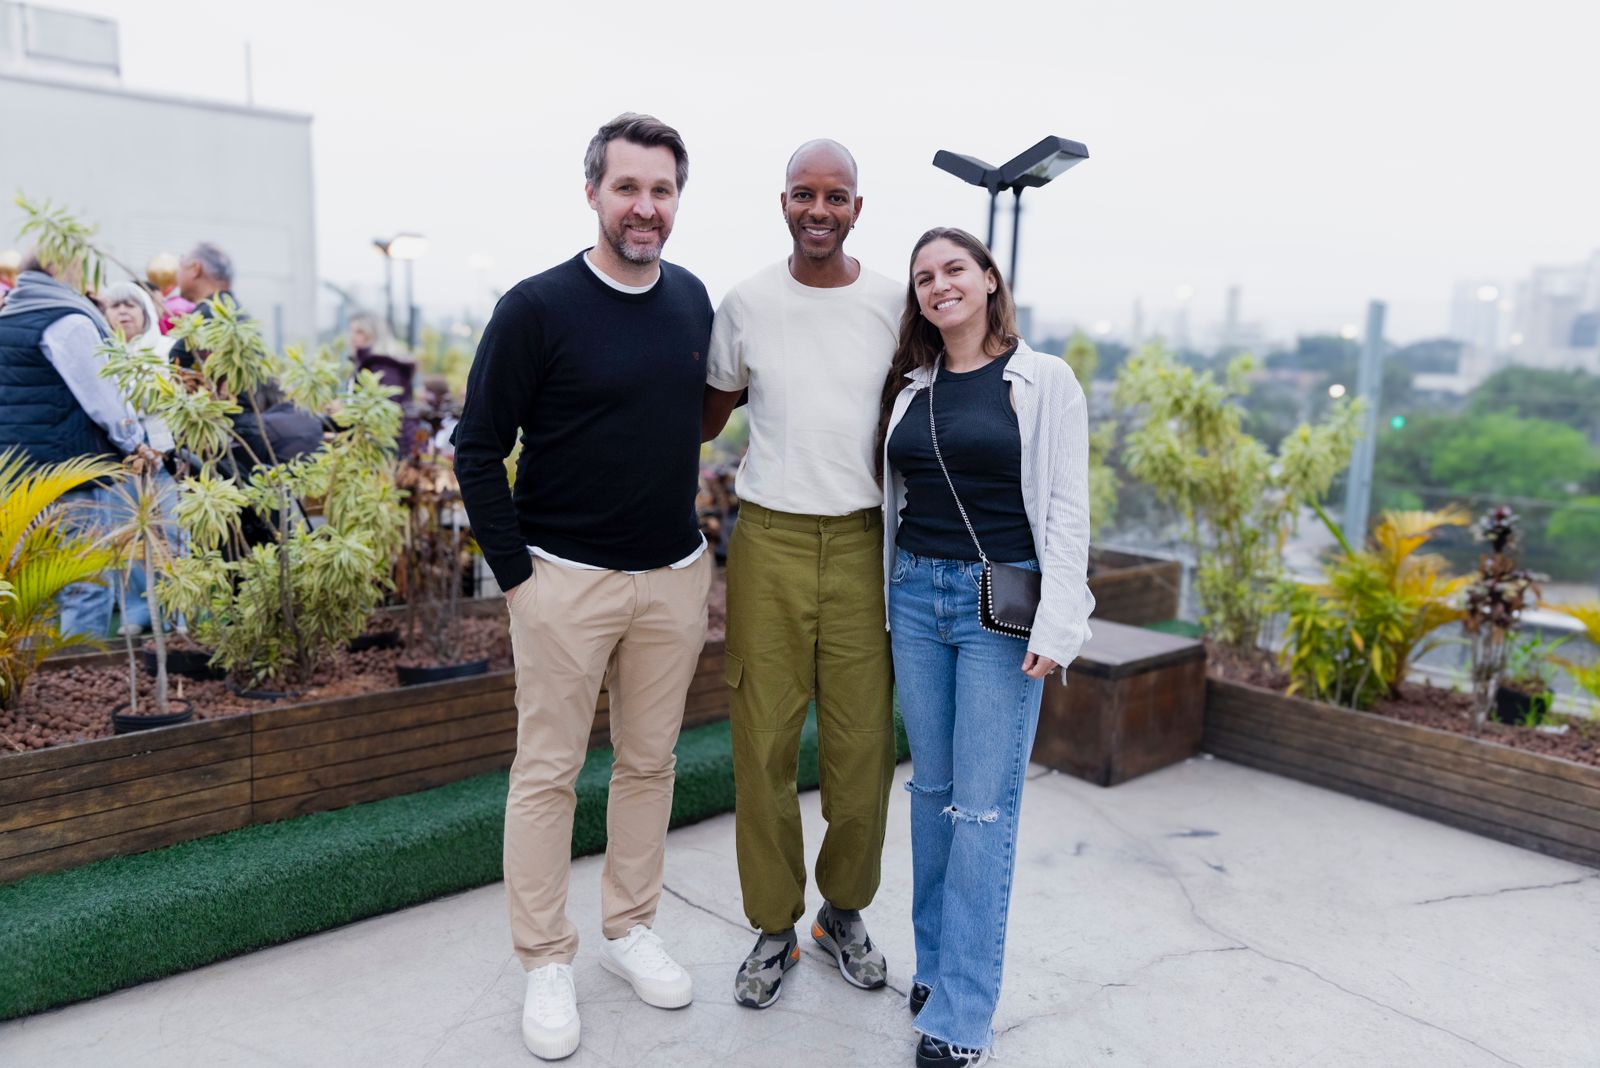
(732, 669)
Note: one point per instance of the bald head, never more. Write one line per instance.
(824, 152)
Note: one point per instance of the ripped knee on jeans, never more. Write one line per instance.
(913, 787)
(961, 815)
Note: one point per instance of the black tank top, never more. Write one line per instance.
(982, 448)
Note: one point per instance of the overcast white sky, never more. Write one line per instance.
(1317, 155)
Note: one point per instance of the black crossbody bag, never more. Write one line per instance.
(1008, 596)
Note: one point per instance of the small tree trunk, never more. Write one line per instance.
(285, 586)
(127, 641)
(157, 630)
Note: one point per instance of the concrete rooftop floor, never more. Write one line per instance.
(1205, 915)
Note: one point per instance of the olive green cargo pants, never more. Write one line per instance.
(805, 610)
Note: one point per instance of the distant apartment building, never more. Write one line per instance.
(1550, 319)
(156, 173)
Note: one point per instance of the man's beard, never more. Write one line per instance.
(637, 254)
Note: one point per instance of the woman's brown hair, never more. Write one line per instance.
(920, 342)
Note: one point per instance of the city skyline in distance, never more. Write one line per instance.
(1315, 159)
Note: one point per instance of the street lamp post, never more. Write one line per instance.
(1038, 166)
(408, 248)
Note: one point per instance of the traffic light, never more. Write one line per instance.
(1398, 422)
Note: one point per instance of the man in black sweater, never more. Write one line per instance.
(599, 363)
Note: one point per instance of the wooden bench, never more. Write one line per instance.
(1134, 701)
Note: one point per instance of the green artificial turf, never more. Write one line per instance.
(76, 934)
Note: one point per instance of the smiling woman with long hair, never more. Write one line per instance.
(984, 447)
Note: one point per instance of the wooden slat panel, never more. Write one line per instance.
(125, 843)
(98, 749)
(120, 769)
(1236, 750)
(1277, 704)
(123, 795)
(377, 722)
(346, 750)
(377, 789)
(1486, 803)
(324, 778)
(1433, 783)
(124, 818)
(1354, 737)
(382, 700)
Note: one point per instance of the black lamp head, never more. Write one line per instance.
(1046, 160)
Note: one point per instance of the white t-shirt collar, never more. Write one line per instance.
(618, 286)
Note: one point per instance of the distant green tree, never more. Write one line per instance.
(1568, 397)
(1495, 455)
(1440, 355)
(1502, 454)
(1574, 532)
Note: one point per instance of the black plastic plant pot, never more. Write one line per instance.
(190, 663)
(416, 676)
(1513, 706)
(382, 639)
(123, 723)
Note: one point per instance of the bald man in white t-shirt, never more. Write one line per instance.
(811, 338)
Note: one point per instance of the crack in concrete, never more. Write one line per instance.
(715, 915)
(1238, 943)
(466, 1014)
(1508, 890)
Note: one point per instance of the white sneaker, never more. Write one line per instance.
(641, 959)
(550, 1013)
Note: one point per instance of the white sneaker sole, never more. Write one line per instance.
(551, 1043)
(657, 994)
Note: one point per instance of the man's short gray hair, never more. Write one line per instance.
(644, 130)
(214, 263)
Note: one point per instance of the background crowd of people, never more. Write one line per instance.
(55, 405)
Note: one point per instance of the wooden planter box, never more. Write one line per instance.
(1134, 589)
(1539, 802)
(71, 804)
(1134, 702)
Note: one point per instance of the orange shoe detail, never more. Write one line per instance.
(794, 954)
(816, 931)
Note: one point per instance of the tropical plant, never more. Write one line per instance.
(1352, 639)
(1084, 358)
(273, 609)
(1586, 675)
(39, 557)
(1238, 498)
(1495, 602)
(65, 244)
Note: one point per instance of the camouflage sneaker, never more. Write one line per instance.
(842, 933)
(760, 978)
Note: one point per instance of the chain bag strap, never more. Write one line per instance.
(1008, 596)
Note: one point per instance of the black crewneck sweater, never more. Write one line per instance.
(606, 389)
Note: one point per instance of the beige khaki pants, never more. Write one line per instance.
(572, 630)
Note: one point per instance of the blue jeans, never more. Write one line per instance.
(86, 607)
(970, 714)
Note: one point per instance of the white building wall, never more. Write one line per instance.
(159, 174)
